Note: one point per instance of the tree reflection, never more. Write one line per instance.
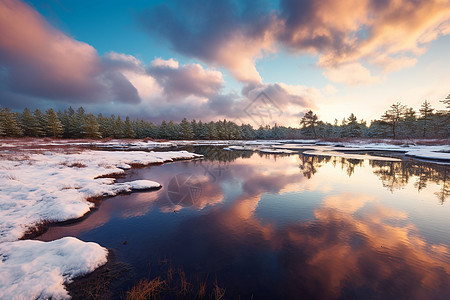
(394, 175)
(310, 164)
(212, 153)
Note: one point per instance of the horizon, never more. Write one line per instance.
(211, 61)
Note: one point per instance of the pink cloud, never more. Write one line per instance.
(386, 34)
(41, 61)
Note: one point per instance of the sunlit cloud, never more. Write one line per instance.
(41, 61)
(387, 34)
(351, 74)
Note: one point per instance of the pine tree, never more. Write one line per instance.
(138, 128)
(171, 130)
(309, 121)
(393, 116)
(41, 123)
(162, 130)
(202, 131)
(186, 129)
(10, 123)
(70, 124)
(78, 119)
(91, 128)
(353, 127)
(426, 112)
(2, 130)
(54, 126)
(446, 101)
(29, 124)
(212, 131)
(128, 131)
(118, 128)
(409, 127)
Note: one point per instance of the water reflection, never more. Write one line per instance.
(289, 226)
(393, 175)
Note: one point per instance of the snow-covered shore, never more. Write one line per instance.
(437, 153)
(37, 270)
(52, 187)
(434, 150)
(52, 181)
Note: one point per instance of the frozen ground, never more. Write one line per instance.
(39, 186)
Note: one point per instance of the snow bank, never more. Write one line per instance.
(55, 187)
(439, 153)
(143, 184)
(276, 151)
(241, 148)
(37, 270)
(435, 153)
(349, 155)
(136, 145)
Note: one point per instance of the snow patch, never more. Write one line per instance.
(276, 151)
(55, 186)
(37, 270)
(350, 155)
(143, 184)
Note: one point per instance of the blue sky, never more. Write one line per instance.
(209, 59)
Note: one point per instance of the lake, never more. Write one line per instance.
(270, 226)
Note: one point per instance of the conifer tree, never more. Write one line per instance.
(409, 127)
(310, 121)
(446, 101)
(172, 133)
(118, 128)
(128, 131)
(212, 131)
(54, 126)
(79, 118)
(91, 128)
(393, 116)
(10, 123)
(195, 129)
(41, 122)
(353, 127)
(29, 124)
(186, 130)
(162, 130)
(426, 112)
(2, 130)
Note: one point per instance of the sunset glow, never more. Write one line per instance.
(209, 60)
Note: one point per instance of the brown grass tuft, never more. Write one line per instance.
(147, 289)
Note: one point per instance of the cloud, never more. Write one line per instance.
(181, 81)
(351, 74)
(385, 34)
(225, 33)
(41, 61)
(367, 30)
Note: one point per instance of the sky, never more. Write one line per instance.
(259, 62)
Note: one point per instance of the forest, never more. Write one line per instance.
(398, 122)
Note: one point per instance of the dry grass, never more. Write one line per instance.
(101, 283)
(76, 164)
(174, 283)
(219, 292)
(147, 289)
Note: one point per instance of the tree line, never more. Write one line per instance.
(398, 121)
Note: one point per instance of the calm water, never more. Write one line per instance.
(293, 227)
